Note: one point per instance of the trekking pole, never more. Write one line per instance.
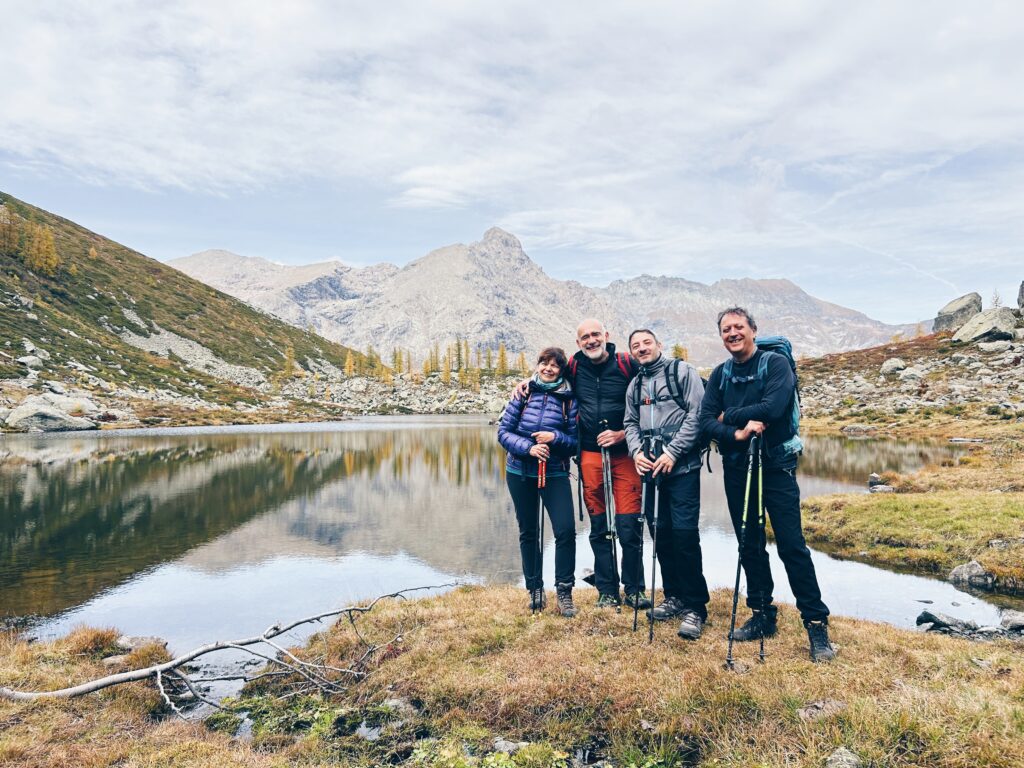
(761, 525)
(654, 545)
(609, 512)
(751, 453)
(640, 558)
(579, 480)
(542, 479)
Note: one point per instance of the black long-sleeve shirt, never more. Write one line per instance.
(769, 400)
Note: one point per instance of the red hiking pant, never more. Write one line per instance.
(625, 483)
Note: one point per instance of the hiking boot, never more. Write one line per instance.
(669, 608)
(638, 600)
(821, 648)
(757, 626)
(608, 601)
(565, 606)
(537, 599)
(691, 625)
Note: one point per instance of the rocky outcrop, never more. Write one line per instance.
(952, 316)
(40, 416)
(991, 325)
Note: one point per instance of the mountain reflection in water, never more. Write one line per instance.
(137, 519)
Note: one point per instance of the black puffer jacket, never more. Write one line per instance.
(600, 394)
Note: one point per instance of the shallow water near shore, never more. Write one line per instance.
(213, 533)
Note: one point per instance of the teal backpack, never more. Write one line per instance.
(778, 345)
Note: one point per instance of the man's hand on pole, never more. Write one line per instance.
(752, 428)
(662, 465)
(611, 437)
(643, 464)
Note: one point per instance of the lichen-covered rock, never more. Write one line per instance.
(1012, 621)
(37, 417)
(892, 365)
(843, 758)
(991, 325)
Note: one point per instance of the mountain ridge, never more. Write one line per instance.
(491, 292)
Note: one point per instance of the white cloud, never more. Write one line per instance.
(675, 131)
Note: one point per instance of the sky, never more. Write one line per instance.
(871, 152)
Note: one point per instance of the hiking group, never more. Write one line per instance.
(638, 425)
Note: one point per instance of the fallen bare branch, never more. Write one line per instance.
(314, 673)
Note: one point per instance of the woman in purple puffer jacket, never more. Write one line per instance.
(542, 427)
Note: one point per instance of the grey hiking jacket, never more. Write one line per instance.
(659, 414)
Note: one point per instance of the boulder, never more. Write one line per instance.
(36, 417)
(874, 479)
(31, 361)
(1012, 620)
(892, 365)
(991, 325)
(994, 346)
(882, 489)
(957, 312)
(942, 621)
(135, 642)
(973, 574)
(912, 374)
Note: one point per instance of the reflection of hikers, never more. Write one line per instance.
(663, 405)
(599, 376)
(755, 393)
(541, 426)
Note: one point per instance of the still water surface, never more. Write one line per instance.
(212, 533)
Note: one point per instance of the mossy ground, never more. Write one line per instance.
(476, 665)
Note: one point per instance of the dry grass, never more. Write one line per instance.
(477, 666)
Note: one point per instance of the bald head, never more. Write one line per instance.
(592, 338)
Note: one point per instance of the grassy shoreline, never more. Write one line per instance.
(472, 665)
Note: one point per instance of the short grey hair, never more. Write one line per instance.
(737, 311)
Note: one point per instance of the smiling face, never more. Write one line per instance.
(737, 336)
(592, 338)
(645, 347)
(549, 370)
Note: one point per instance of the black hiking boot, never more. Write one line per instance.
(669, 608)
(565, 606)
(537, 599)
(691, 626)
(757, 626)
(608, 601)
(638, 600)
(821, 648)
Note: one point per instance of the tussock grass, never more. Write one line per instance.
(477, 665)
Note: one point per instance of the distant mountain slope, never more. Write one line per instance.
(491, 292)
(112, 314)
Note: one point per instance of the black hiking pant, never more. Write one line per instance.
(782, 503)
(630, 540)
(558, 503)
(678, 541)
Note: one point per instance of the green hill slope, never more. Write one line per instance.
(95, 306)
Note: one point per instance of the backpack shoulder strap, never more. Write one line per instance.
(672, 382)
(625, 364)
(726, 374)
(522, 407)
(762, 364)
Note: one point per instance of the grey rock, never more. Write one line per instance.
(973, 574)
(56, 387)
(843, 758)
(31, 316)
(135, 642)
(912, 374)
(31, 361)
(882, 489)
(857, 429)
(990, 325)
(874, 479)
(45, 418)
(994, 346)
(509, 747)
(892, 365)
(952, 316)
(118, 661)
(944, 621)
(1012, 621)
(819, 709)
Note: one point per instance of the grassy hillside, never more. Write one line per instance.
(80, 311)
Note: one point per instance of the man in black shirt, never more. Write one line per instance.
(756, 397)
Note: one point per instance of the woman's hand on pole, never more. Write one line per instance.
(543, 437)
(540, 451)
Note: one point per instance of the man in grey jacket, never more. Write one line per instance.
(663, 435)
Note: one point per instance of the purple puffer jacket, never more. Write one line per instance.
(552, 411)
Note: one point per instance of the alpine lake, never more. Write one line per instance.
(203, 534)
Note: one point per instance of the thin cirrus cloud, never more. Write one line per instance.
(813, 141)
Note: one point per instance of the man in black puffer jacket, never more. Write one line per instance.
(599, 376)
